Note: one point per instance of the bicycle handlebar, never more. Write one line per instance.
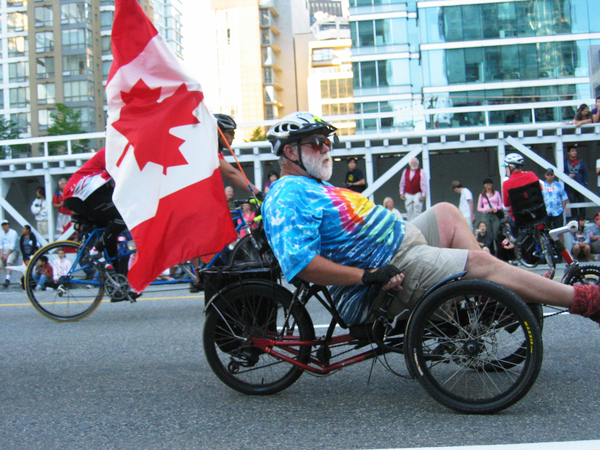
(556, 232)
(252, 201)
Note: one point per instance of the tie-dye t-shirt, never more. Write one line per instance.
(304, 218)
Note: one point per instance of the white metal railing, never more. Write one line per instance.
(406, 144)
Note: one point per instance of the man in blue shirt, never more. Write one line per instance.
(338, 238)
(576, 169)
(555, 198)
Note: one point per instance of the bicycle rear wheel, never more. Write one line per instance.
(74, 295)
(255, 309)
(527, 251)
(461, 346)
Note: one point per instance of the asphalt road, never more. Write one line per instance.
(135, 376)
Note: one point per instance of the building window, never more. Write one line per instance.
(44, 42)
(322, 54)
(78, 91)
(44, 119)
(75, 13)
(336, 88)
(106, 20)
(106, 50)
(17, 46)
(88, 116)
(77, 65)
(46, 93)
(271, 112)
(43, 16)
(76, 39)
(19, 97)
(18, 72)
(23, 121)
(106, 68)
(16, 21)
(391, 72)
(44, 67)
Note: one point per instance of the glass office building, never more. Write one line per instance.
(450, 63)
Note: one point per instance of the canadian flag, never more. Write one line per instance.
(161, 150)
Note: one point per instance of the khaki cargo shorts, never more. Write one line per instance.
(422, 261)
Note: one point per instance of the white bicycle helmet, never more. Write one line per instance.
(293, 126)
(514, 159)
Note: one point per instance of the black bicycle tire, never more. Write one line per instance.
(547, 249)
(421, 367)
(579, 275)
(245, 251)
(42, 303)
(520, 255)
(218, 338)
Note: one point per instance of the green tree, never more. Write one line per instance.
(258, 135)
(10, 130)
(66, 120)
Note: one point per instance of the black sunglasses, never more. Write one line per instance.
(317, 143)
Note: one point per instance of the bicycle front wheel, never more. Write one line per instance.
(246, 311)
(583, 275)
(461, 346)
(547, 249)
(78, 290)
(252, 248)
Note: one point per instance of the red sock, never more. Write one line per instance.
(587, 301)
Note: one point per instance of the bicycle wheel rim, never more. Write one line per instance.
(75, 295)
(474, 351)
(255, 310)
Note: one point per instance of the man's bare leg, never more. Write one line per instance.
(455, 233)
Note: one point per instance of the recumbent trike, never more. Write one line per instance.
(474, 346)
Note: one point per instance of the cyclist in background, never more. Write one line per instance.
(228, 126)
(522, 193)
(235, 177)
(88, 193)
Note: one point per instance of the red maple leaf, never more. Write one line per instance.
(146, 123)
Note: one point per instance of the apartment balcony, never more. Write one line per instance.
(269, 57)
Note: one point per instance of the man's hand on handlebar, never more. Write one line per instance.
(386, 278)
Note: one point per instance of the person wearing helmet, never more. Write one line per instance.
(235, 177)
(227, 126)
(522, 193)
(338, 238)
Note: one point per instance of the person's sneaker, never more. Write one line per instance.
(39, 288)
(6, 283)
(99, 260)
(196, 287)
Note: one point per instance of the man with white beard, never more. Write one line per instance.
(336, 237)
(413, 189)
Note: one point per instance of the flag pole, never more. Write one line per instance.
(237, 162)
